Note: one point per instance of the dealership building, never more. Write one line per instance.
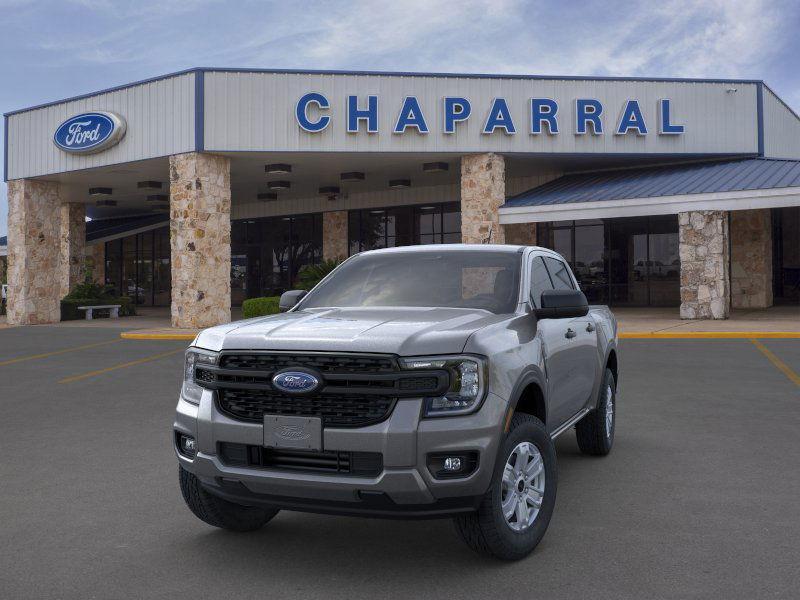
(209, 186)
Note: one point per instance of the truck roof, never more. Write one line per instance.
(510, 248)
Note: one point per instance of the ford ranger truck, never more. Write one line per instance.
(416, 382)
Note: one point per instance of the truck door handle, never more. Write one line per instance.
(570, 334)
(590, 327)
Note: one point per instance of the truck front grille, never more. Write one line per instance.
(363, 464)
(336, 410)
(356, 390)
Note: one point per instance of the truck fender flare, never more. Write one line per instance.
(529, 376)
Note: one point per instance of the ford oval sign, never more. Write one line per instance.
(295, 382)
(90, 132)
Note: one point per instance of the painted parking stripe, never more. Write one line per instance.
(55, 353)
(779, 364)
(132, 363)
(709, 335)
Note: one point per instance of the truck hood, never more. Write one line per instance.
(401, 331)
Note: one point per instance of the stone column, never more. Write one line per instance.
(703, 247)
(96, 256)
(523, 234)
(483, 192)
(73, 242)
(751, 258)
(200, 239)
(334, 235)
(33, 252)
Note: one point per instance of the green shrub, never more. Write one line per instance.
(70, 312)
(259, 307)
(311, 275)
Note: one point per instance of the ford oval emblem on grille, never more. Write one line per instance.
(295, 382)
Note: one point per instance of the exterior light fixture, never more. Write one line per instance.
(435, 167)
(106, 203)
(329, 189)
(399, 183)
(267, 196)
(279, 185)
(158, 198)
(278, 168)
(352, 176)
(149, 185)
(100, 191)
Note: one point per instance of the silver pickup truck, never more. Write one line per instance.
(418, 382)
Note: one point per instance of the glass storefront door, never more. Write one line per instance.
(786, 255)
(138, 266)
(267, 254)
(621, 262)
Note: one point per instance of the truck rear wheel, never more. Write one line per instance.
(516, 509)
(595, 431)
(218, 512)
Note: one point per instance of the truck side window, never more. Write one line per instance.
(540, 280)
(559, 274)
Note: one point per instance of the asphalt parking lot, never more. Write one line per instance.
(699, 499)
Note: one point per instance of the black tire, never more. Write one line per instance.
(594, 436)
(486, 531)
(218, 512)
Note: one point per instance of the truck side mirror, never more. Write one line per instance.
(562, 304)
(290, 298)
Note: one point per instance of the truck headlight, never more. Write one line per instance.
(467, 383)
(190, 390)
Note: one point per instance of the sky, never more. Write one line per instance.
(56, 49)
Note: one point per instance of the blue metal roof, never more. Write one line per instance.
(671, 180)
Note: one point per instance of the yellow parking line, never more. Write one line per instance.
(127, 335)
(779, 364)
(54, 353)
(132, 363)
(709, 335)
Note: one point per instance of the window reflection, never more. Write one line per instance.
(623, 262)
(370, 229)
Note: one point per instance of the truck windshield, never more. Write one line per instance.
(487, 280)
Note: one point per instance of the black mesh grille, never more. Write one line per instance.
(364, 464)
(324, 363)
(335, 409)
(355, 390)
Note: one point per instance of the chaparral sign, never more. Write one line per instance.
(588, 116)
(90, 132)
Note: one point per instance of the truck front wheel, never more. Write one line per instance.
(517, 507)
(218, 512)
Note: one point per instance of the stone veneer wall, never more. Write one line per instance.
(33, 252)
(72, 245)
(703, 247)
(751, 258)
(523, 234)
(334, 235)
(483, 192)
(96, 256)
(200, 239)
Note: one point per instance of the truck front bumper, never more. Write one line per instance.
(404, 488)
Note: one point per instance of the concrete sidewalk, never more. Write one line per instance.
(778, 321)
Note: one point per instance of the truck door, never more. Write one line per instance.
(569, 345)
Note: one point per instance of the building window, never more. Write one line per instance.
(138, 266)
(622, 262)
(266, 254)
(369, 229)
